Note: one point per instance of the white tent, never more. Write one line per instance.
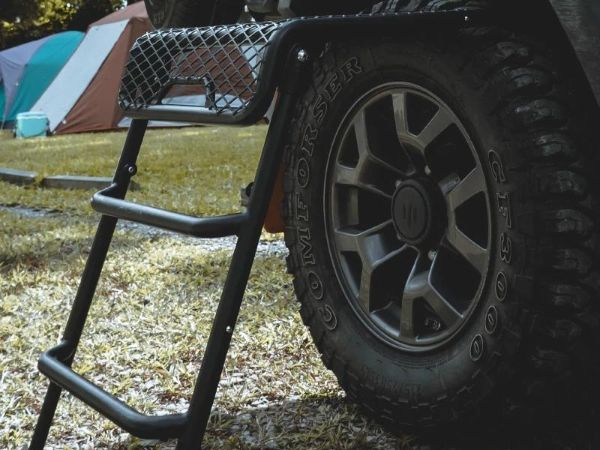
(83, 96)
(69, 85)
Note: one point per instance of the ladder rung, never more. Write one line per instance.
(207, 227)
(140, 425)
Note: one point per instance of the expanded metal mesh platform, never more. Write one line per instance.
(214, 70)
(228, 74)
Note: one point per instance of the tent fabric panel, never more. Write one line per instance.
(41, 69)
(76, 75)
(12, 65)
(97, 109)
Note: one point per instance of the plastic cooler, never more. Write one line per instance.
(31, 124)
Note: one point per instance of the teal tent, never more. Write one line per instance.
(27, 70)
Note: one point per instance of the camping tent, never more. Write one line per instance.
(28, 69)
(83, 96)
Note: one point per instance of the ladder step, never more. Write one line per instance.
(140, 425)
(208, 227)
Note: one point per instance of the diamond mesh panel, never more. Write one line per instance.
(216, 68)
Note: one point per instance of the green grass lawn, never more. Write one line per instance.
(147, 328)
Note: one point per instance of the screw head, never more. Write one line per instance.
(229, 330)
(467, 18)
(302, 55)
(431, 254)
(131, 169)
(427, 170)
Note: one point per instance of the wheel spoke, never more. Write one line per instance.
(469, 249)
(407, 315)
(400, 115)
(441, 306)
(436, 126)
(374, 252)
(346, 175)
(367, 166)
(361, 133)
(367, 158)
(469, 186)
(369, 244)
(351, 176)
(407, 319)
(373, 160)
(367, 280)
(419, 287)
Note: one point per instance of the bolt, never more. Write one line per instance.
(131, 169)
(398, 183)
(431, 255)
(302, 56)
(467, 18)
(229, 330)
(427, 170)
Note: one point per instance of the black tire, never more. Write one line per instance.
(540, 359)
(192, 13)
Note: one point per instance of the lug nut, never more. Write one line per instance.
(433, 324)
(431, 255)
(302, 55)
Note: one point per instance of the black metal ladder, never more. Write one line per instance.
(56, 363)
(158, 61)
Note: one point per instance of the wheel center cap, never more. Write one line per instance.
(413, 212)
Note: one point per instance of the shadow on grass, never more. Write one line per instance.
(37, 239)
(333, 423)
(40, 251)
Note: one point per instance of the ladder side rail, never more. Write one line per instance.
(243, 257)
(89, 280)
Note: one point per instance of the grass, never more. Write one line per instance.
(144, 339)
(193, 170)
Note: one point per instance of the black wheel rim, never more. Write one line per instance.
(407, 214)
